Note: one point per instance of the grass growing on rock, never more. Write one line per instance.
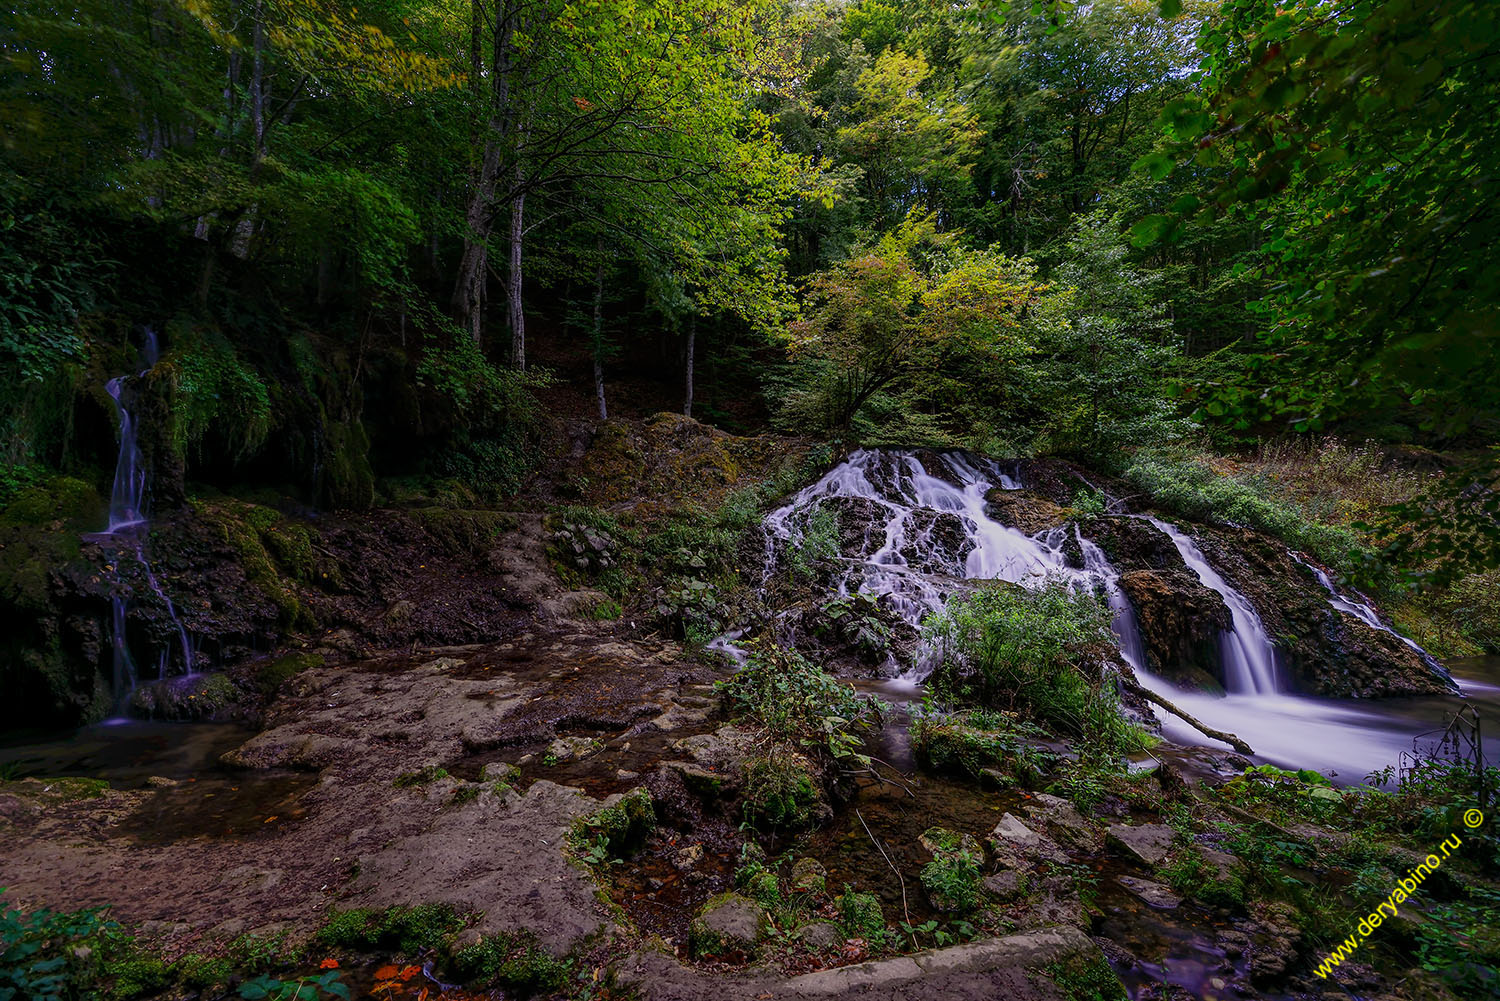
(409, 931)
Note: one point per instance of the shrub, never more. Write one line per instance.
(1037, 653)
(799, 705)
(952, 881)
(408, 930)
(973, 741)
(860, 914)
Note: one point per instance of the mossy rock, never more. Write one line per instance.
(272, 674)
(624, 824)
(780, 793)
(203, 696)
(728, 922)
(809, 876)
(49, 792)
(349, 481)
(765, 888)
(61, 498)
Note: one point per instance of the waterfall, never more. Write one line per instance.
(1363, 611)
(909, 563)
(128, 525)
(1249, 657)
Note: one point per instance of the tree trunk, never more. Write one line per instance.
(599, 335)
(470, 284)
(258, 87)
(513, 275)
(692, 337)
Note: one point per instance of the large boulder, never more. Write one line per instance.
(1180, 621)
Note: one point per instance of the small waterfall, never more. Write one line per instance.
(1363, 610)
(928, 532)
(1249, 657)
(128, 525)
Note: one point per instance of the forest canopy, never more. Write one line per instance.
(370, 236)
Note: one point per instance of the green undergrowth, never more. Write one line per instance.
(979, 743)
(1037, 654)
(408, 931)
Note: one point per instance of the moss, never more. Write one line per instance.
(271, 675)
(237, 526)
(61, 498)
(407, 930)
(56, 790)
(184, 699)
(1086, 978)
(466, 794)
(764, 888)
(809, 876)
(202, 972)
(421, 777)
(625, 826)
(780, 793)
(513, 962)
(137, 975)
(349, 482)
(464, 531)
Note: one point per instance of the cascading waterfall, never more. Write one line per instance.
(907, 564)
(128, 524)
(1249, 657)
(1363, 611)
(927, 529)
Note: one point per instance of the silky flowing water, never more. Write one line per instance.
(928, 531)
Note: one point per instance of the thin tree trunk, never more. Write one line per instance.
(258, 87)
(692, 337)
(599, 334)
(513, 282)
(469, 286)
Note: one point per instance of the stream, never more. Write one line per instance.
(929, 530)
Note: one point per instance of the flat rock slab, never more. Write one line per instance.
(1154, 894)
(1148, 843)
(1028, 950)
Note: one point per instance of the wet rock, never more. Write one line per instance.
(687, 859)
(1006, 885)
(1024, 510)
(821, 936)
(728, 922)
(1274, 941)
(1153, 894)
(809, 876)
(1180, 621)
(1147, 843)
(936, 542)
(203, 696)
(1064, 821)
(1017, 846)
(574, 748)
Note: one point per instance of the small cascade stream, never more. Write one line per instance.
(128, 526)
(927, 530)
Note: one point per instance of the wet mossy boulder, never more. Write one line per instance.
(1180, 621)
(860, 914)
(728, 923)
(623, 823)
(198, 696)
(781, 792)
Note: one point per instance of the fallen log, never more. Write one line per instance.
(1207, 731)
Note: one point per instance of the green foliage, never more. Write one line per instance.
(796, 704)
(620, 830)
(268, 988)
(409, 931)
(270, 676)
(512, 962)
(1457, 942)
(1193, 489)
(975, 740)
(1035, 652)
(1087, 978)
(861, 914)
(422, 776)
(780, 794)
(214, 390)
(819, 542)
(953, 880)
(37, 953)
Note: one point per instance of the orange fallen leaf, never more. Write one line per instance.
(386, 972)
(411, 971)
(270, 818)
(329, 964)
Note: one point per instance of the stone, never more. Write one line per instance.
(809, 876)
(1180, 620)
(1005, 885)
(1017, 846)
(1147, 843)
(726, 923)
(821, 936)
(574, 748)
(1153, 894)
